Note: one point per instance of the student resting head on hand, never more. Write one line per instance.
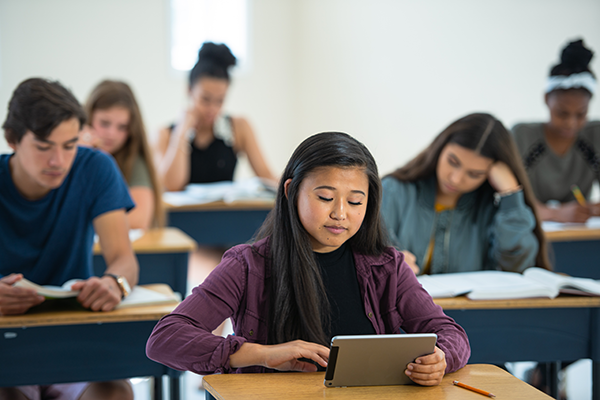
(565, 150)
(203, 146)
(465, 203)
(320, 267)
(115, 125)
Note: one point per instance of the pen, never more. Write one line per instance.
(483, 392)
(578, 195)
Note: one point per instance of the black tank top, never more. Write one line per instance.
(216, 162)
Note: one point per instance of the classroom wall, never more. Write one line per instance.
(391, 72)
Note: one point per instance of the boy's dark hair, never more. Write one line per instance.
(39, 105)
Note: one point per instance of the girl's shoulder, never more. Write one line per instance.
(527, 133)
(250, 256)
(591, 132)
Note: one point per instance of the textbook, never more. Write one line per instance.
(227, 191)
(138, 296)
(500, 285)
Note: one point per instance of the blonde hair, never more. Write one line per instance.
(108, 94)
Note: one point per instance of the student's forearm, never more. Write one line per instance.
(545, 213)
(125, 265)
(249, 354)
(175, 165)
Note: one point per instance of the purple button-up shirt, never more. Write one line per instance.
(240, 288)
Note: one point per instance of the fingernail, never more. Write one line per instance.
(410, 367)
(418, 361)
(408, 373)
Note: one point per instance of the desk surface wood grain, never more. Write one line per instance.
(160, 240)
(563, 301)
(573, 234)
(61, 312)
(305, 386)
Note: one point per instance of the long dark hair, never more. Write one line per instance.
(299, 306)
(488, 137)
(110, 94)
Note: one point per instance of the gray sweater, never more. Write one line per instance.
(476, 235)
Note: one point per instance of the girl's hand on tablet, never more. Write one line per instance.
(282, 357)
(428, 370)
(286, 356)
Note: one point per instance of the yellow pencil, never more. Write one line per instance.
(578, 195)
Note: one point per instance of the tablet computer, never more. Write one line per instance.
(367, 360)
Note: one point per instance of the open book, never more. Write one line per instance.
(227, 191)
(497, 285)
(139, 295)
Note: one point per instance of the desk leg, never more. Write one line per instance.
(595, 380)
(552, 370)
(175, 387)
(158, 388)
(595, 350)
(208, 396)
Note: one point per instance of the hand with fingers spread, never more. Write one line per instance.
(428, 370)
(98, 294)
(282, 357)
(16, 300)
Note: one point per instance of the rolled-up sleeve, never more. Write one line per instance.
(183, 340)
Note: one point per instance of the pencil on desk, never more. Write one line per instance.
(483, 392)
(578, 195)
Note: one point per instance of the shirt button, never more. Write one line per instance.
(370, 315)
(251, 332)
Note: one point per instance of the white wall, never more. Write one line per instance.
(391, 72)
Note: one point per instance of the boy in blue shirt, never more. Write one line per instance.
(53, 196)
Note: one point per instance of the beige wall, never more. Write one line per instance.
(391, 72)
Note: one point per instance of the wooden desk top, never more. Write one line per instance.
(572, 234)
(310, 386)
(563, 301)
(70, 313)
(258, 204)
(161, 240)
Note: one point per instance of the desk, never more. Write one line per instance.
(309, 385)
(70, 344)
(220, 223)
(576, 251)
(563, 329)
(162, 255)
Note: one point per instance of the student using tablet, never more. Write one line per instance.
(203, 146)
(54, 196)
(320, 267)
(565, 150)
(115, 125)
(465, 203)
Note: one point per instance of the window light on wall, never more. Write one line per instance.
(194, 22)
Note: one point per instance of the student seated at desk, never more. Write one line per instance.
(321, 267)
(464, 203)
(54, 196)
(115, 125)
(565, 150)
(204, 145)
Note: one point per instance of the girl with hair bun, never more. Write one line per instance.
(321, 267)
(464, 203)
(203, 146)
(564, 151)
